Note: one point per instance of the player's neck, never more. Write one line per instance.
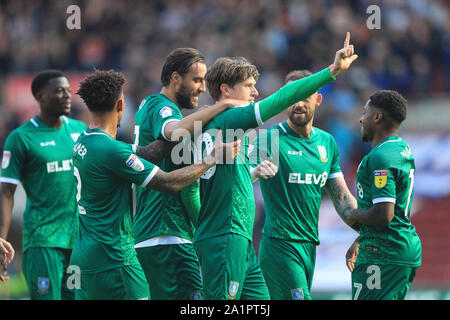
(51, 120)
(383, 135)
(107, 123)
(303, 131)
(170, 94)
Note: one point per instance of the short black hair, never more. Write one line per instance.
(228, 70)
(392, 103)
(296, 75)
(179, 60)
(42, 79)
(101, 89)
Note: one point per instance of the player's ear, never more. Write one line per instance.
(318, 99)
(225, 90)
(120, 104)
(176, 78)
(378, 116)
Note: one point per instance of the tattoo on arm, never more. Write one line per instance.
(343, 200)
(155, 151)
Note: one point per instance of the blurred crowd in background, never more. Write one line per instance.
(410, 53)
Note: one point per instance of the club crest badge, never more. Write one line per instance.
(5, 159)
(233, 289)
(43, 285)
(134, 163)
(196, 295)
(165, 112)
(380, 178)
(323, 153)
(297, 294)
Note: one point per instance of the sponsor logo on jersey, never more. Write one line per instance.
(297, 294)
(323, 153)
(166, 112)
(48, 143)
(233, 289)
(5, 159)
(380, 178)
(74, 136)
(295, 153)
(43, 285)
(54, 166)
(135, 163)
(308, 178)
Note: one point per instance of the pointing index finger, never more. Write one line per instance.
(347, 39)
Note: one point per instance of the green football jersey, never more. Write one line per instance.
(40, 157)
(226, 190)
(105, 169)
(386, 174)
(292, 197)
(158, 213)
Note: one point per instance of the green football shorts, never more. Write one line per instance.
(45, 271)
(230, 269)
(123, 283)
(172, 271)
(288, 268)
(381, 282)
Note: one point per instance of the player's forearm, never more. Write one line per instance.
(379, 215)
(343, 201)
(293, 92)
(6, 208)
(174, 181)
(155, 151)
(197, 120)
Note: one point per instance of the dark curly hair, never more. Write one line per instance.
(391, 103)
(229, 71)
(179, 60)
(100, 90)
(42, 78)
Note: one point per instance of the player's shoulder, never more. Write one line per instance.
(74, 123)
(25, 129)
(322, 134)
(155, 102)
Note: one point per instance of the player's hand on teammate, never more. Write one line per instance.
(223, 153)
(344, 57)
(6, 256)
(265, 170)
(351, 255)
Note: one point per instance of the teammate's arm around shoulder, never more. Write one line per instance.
(177, 130)
(156, 151)
(174, 181)
(7, 191)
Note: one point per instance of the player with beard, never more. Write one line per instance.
(164, 223)
(38, 154)
(223, 238)
(384, 258)
(105, 169)
(308, 164)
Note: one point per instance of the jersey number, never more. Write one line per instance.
(76, 173)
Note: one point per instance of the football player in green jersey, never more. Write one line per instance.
(384, 258)
(104, 169)
(223, 238)
(308, 163)
(38, 154)
(164, 223)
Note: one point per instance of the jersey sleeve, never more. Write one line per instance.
(124, 162)
(240, 117)
(160, 117)
(13, 160)
(383, 182)
(335, 170)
